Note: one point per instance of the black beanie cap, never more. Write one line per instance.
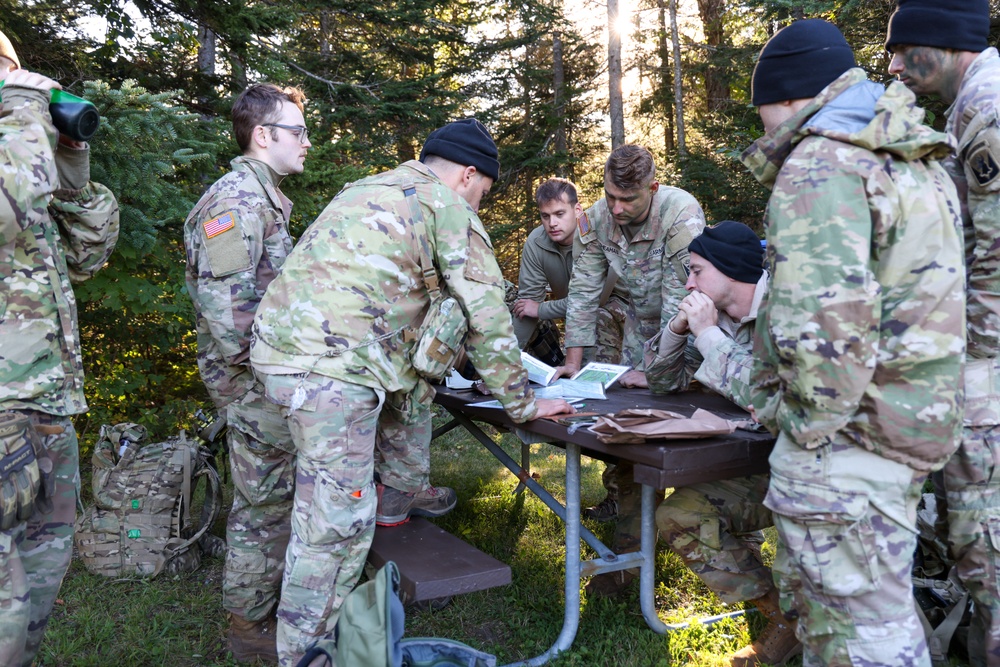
(963, 25)
(800, 61)
(732, 248)
(466, 142)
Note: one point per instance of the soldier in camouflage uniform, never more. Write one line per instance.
(237, 239)
(546, 265)
(860, 340)
(333, 342)
(940, 48)
(641, 231)
(56, 228)
(715, 526)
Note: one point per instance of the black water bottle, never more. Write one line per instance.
(73, 116)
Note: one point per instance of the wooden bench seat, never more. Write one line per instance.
(433, 563)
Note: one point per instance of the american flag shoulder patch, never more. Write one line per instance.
(221, 224)
(583, 222)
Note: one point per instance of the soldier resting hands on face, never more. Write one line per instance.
(715, 526)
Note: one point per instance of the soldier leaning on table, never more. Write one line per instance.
(860, 340)
(940, 48)
(640, 230)
(547, 263)
(57, 227)
(546, 267)
(715, 526)
(237, 239)
(331, 344)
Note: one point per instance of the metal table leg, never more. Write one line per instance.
(647, 572)
(571, 586)
(608, 561)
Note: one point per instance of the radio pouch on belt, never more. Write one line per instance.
(441, 336)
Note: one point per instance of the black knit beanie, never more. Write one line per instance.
(963, 25)
(800, 61)
(466, 142)
(733, 249)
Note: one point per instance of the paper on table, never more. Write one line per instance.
(456, 381)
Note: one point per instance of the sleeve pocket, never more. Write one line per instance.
(480, 263)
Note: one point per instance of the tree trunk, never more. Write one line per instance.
(716, 87)
(558, 81)
(324, 33)
(615, 77)
(678, 86)
(206, 51)
(666, 79)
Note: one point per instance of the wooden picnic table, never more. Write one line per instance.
(658, 465)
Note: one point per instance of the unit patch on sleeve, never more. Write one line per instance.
(983, 164)
(227, 250)
(583, 222)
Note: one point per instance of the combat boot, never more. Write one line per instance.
(253, 640)
(396, 507)
(776, 644)
(606, 510)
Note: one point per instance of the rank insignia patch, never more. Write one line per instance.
(983, 165)
(223, 223)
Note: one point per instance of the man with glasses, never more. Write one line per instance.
(237, 239)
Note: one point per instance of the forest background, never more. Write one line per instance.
(379, 77)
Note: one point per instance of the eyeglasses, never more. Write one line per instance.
(300, 131)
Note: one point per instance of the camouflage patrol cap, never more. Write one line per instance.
(7, 50)
(466, 142)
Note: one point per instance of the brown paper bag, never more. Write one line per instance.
(638, 425)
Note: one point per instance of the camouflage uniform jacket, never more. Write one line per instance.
(720, 358)
(545, 265)
(352, 291)
(652, 269)
(56, 228)
(974, 120)
(236, 239)
(862, 329)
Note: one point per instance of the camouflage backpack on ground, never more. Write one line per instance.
(141, 522)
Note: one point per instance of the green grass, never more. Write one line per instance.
(180, 621)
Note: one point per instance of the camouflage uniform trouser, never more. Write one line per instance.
(335, 433)
(715, 528)
(972, 488)
(35, 555)
(846, 519)
(263, 465)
